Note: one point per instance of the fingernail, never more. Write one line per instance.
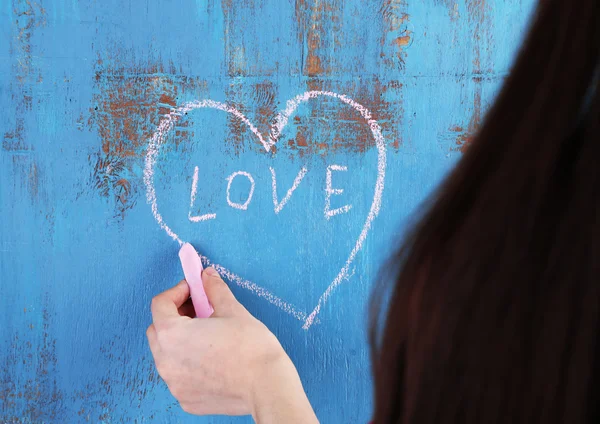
(212, 272)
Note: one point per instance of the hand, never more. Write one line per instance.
(227, 364)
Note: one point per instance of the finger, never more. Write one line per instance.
(152, 341)
(167, 303)
(187, 309)
(220, 297)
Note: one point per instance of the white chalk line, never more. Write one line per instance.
(240, 206)
(200, 218)
(279, 205)
(329, 191)
(330, 213)
(281, 121)
(257, 290)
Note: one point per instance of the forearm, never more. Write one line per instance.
(280, 398)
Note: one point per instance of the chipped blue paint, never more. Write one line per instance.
(83, 85)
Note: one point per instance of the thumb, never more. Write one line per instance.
(219, 295)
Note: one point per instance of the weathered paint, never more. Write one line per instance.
(83, 87)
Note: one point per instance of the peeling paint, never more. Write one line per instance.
(37, 388)
(396, 33)
(331, 128)
(465, 138)
(29, 17)
(13, 141)
(318, 23)
(402, 41)
(127, 106)
(258, 100)
(479, 16)
(34, 180)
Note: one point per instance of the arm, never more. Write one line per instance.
(227, 364)
(279, 397)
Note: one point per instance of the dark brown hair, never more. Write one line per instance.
(493, 316)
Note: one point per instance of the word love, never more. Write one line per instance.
(278, 205)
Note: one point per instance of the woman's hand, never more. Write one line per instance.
(227, 364)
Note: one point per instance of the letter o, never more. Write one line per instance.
(241, 206)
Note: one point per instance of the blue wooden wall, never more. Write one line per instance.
(85, 87)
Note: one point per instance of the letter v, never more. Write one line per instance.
(279, 205)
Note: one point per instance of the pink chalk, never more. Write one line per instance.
(192, 269)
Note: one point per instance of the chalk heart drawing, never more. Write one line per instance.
(168, 121)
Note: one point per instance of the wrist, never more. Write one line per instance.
(278, 396)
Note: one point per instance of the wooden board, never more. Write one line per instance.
(314, 127)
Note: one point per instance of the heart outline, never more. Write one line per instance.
(166, 124)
